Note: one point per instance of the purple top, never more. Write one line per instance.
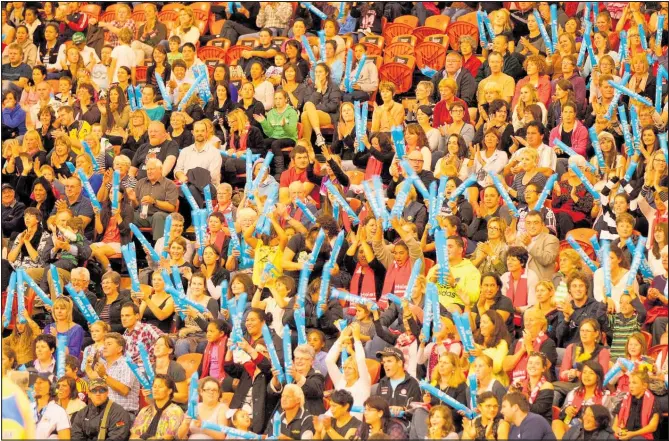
(75, 338)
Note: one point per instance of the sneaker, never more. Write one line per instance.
(320, 141)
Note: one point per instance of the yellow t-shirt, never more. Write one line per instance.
(265, 254)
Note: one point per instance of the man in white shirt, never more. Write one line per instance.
(200, 154)
(534, 139)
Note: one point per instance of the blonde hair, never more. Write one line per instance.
(194, 98)
(190, 14)
(450, 83)
(241, 115)
(32, 133)
(457, 377)
(641, 57)
(64, 302)
(507, 17)
(534, 99)
(573, 257)
(145, 125)
(550, 287)
(493, 86)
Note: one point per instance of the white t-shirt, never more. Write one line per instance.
(54, 419)
(125, 56)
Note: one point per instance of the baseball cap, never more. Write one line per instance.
(33, 375)
(78, 38)
(97, 383)
(391, 351)
(7, 187)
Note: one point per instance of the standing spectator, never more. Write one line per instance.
(122, 56)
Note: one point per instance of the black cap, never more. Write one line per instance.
(391, 351)
(7, 186)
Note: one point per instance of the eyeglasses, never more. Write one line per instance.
(99, 390)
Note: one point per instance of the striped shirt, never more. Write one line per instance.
(622, 328)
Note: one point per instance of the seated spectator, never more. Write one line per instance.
(63, 324)
(390, 113)
(54, 419)
(186, 28)
(367, 82)
(378, 421)
(15, 72)
(43, 360)
(67, 397)
(589, 391)
(320, 108)
(162, 418)
(524, 423)
(87, 423)
(150, 33)
(210, 409)
(22, 340)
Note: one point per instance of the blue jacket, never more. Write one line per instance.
(15, 118)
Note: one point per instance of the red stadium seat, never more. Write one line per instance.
(408, 39)
(172, 7)
(425, 31)
(438, 22)
(164, 16)
(656, 350)
(459, 28)
(221, 42)
(92, 10)
(394, 29)
(234, 53)
(398, 73)
(397, 49)
(139, 17)
(142, 7)
(441, 39)
(430, 54)
(140, 74)
(211, 53)
(216, 27)
(108, 16)
(373, 44)
(407, 20)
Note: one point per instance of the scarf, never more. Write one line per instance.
(579, 396)
(517, 292)
(519, 372)
(206, 359)
(535, 390)
(646, 411)
(396, 281)
(374, 167)
(363, 284)
(153, 427)
(242, 139)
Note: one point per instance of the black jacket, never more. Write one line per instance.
(12, 219)
(329, 101)
(567, 331)
(466, 87)
(313, 392)
(86, 423)
(576, 432)
(326, 323)
(403, 395)
(262, 405)
(114, 309)
(426, 176)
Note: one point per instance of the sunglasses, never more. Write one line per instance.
(99, 390)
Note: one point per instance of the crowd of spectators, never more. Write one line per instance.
(502, 183)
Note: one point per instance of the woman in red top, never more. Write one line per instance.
(572, 204)
(535, 65)
(442, 114)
